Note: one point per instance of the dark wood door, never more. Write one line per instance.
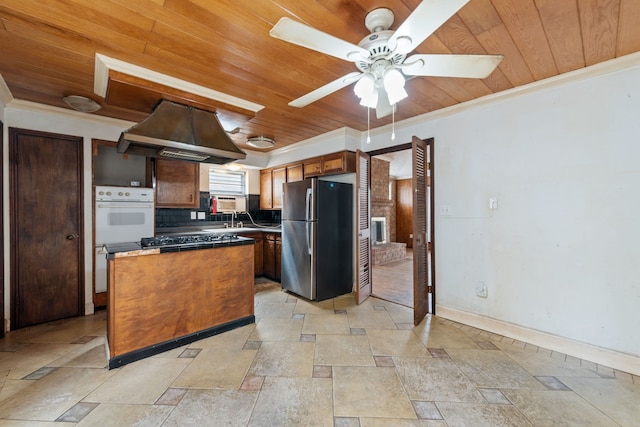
(46, 234)
(420, 253)
(404, 211)
(363, 190)
(2, 232)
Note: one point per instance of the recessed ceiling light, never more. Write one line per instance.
(260, 142)
(81, 103)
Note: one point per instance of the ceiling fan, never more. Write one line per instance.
(382, 57)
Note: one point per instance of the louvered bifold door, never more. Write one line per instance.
(363, 289)
(420, 248)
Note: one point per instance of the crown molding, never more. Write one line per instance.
(6, 97)
(343, 131)
(601, 69)
(34, 107)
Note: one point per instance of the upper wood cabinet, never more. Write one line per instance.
(344, 161)
(312, 167)
(266, 189)
(295, 173)
(278, 178)
(271, 181)
(329, 164)
(176, 184)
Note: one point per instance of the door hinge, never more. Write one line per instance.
(430, 289)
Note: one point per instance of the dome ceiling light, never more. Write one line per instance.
(81, 103)
(260, 142)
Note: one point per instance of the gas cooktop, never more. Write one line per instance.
(184, 240)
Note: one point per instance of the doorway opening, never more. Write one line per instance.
(392, 214)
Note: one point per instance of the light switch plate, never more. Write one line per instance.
(193, 215)
(493, 203)
(200, 215)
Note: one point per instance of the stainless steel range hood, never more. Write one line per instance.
(181, 132)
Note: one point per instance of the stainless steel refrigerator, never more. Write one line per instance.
(317, 238)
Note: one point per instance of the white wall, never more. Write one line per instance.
(560, 254)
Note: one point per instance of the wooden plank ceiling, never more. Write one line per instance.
(48, 51)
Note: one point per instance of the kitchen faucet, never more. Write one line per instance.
(233, 214)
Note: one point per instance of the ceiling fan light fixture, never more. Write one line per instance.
(365, 86)
(394, 85)
(365, 89)
(260, 142)
(370, 101)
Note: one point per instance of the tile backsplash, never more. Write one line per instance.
(181, 217)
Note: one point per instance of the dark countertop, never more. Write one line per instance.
(165, 231)
(115, 250)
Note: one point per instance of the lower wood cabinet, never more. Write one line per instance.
(258, 251)
(267, 253)
(278, 257)
(272, 255)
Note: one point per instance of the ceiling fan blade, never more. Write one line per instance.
(423, 21)
(325, 90)
(383, 108)
(303, 35)
(446, 65)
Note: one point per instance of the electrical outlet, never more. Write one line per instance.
(445, 210)
(193, 215)
(481, 290)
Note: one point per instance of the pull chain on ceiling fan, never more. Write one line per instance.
(382, 58)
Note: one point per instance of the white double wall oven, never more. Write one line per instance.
(122, 214)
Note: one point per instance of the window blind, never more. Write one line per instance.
(226, 182)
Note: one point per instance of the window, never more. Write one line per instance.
(226, 182)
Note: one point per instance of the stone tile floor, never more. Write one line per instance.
(332, 363)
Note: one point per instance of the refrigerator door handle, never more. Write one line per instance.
(307, 203)
(308, 217)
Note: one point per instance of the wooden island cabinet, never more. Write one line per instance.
(160, 301)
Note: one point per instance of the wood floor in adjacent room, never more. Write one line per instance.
(394, 281)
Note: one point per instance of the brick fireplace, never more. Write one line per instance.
(383, 215)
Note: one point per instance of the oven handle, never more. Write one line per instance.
(104, 205)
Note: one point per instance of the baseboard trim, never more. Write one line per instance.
(613, 359)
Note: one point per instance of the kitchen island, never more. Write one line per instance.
(161, 298)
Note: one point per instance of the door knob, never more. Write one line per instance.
(72, 236)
